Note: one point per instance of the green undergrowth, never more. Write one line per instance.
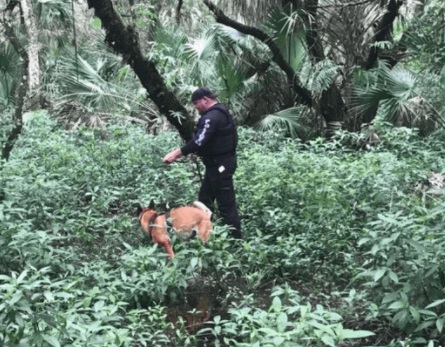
(342, 246)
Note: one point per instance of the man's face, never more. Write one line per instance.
(201, 104)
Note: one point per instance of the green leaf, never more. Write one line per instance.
(439, 324)
(53, 341)
(22, 276)
(390, 297)
(276, 304)
(362, 241)
(424, 325)
(428, 313)
(356, 334)
(436, 303)
(393, 276)
(397, 305)
(328, 340)
(278, 340)
(282, 322)
(99, 305)
(401, 319)
(415, 314)
(194, 262)
(268, 331)
(379, 274)
(15, 298)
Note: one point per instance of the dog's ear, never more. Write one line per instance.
(152, 204)
(163, 206)
(138, 208)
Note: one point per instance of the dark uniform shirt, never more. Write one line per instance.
(215, 134)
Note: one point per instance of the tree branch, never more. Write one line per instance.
(383, 31)
(124, 41)
(178, 12)
(304, 95)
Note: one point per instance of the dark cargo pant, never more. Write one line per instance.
(218, 185)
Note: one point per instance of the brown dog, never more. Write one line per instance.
(186, 221)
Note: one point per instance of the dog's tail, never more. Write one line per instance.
(203, 207)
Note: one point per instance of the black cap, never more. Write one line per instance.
(203, 92)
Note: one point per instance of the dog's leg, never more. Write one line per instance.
(205, 229)
(168, 248)
(160, 237)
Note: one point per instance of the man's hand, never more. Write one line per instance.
(172, 156)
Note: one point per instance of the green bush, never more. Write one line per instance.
(352, 238)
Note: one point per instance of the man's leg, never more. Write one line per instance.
(206, 192)
(225, 198)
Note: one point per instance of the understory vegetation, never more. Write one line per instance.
(342, 246)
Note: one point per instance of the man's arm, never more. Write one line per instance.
(172, 156)
(206, 128)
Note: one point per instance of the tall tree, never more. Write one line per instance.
(124, 40)
(22, 87)
(32, 50)
(348, 35)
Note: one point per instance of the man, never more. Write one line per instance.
(215, 141)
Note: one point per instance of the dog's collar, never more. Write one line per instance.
(151, 222)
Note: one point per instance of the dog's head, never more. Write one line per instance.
(146, 215)
(145, 211)
(140, 210)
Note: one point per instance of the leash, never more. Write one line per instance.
(198, 169)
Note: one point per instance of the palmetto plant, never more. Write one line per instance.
(399, 97)
(96, 89)
(238, 67)
(218, 57)
(287, 29)
(291, 121)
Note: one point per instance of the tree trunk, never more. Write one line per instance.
(20, 93)
(383, 31)
(331, 104)
(33, 53)
(124, 40)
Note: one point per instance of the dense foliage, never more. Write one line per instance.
(342, 247)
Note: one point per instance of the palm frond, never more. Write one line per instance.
(49, 11)
(369, 97)
(398, 96)
(290, 121)
(86, 85)
(288, 32)
(322, 75)
(398, 80)
(8, 73)
(201, 54)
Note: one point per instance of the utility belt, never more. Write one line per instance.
(218, 159)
